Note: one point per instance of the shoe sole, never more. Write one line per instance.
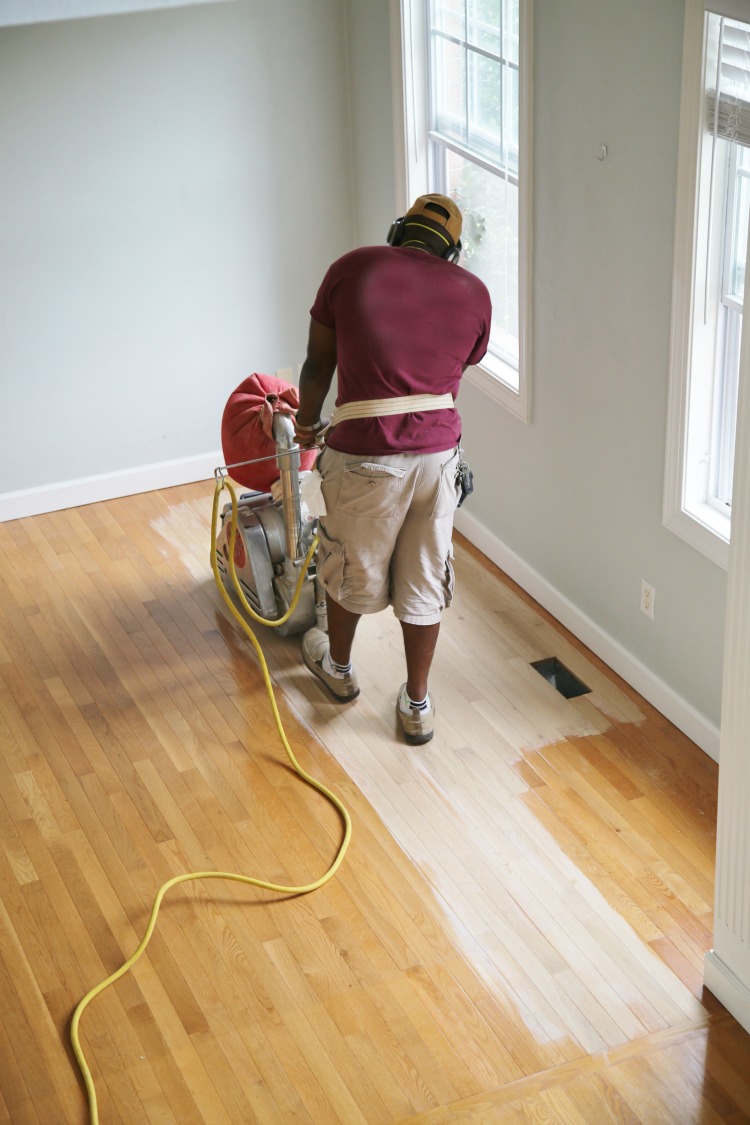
(316, 670)
(412, 739)
(418, 739)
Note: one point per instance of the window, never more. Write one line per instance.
(734, 224)
(710, 253)
(467, 124)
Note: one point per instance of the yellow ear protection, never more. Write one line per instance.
(396, 234)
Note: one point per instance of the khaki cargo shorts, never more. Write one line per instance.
(387, 536)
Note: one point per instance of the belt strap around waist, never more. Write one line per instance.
(380, 407)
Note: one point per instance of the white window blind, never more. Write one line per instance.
(728, 115)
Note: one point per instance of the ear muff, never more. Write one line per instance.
(396, 234)
(453, 253)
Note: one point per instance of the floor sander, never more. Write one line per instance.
(275, 526)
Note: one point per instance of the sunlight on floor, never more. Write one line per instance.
(456, 806)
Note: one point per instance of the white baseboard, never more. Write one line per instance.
(107, 486)
(658, 693)
(727, 988)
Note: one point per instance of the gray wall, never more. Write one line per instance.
(175, 183)
(377, 197)
(578, 492)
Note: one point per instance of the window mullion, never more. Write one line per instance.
(462, 150)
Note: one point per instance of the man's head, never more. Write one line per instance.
(432, 222)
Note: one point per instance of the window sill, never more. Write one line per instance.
(493, 378)
(704, 528)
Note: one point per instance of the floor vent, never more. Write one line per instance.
(561, 678)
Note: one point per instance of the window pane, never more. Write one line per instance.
(489, 99)
(475, 91)
(492, 25)
(449, 90)
(485, 107)
(740, 225)
(511, 106)
(483, 27)
(512, 31)
(725, 411)
(449, 16)
(489, 205)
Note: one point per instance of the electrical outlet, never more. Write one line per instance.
(284, 373)
(648, 598)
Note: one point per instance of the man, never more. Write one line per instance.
(399, 320)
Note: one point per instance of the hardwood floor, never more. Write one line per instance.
(517, 932)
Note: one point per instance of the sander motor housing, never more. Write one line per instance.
(274, 534)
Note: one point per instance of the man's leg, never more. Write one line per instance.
(421, 566)
(328, 655)
(413, 706)
(342, 625)
(419, 648)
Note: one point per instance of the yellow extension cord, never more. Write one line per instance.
(221, 483)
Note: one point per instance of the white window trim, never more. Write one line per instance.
(410, 129)
(703, 526)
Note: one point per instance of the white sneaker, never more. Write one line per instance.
(314, 648)
(418, 724)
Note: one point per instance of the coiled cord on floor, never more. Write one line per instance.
(252, 881)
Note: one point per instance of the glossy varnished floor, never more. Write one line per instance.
(517, 933)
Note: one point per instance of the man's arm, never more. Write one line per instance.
(315, 380)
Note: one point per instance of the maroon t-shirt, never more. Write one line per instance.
(406, 323)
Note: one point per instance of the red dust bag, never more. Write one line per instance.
(247, 429)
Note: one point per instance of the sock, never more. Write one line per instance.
(331, 668)
(415, 705)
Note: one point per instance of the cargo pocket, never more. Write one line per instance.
(449, 581)
(370, 490)
(330, 561)
(446, 499)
